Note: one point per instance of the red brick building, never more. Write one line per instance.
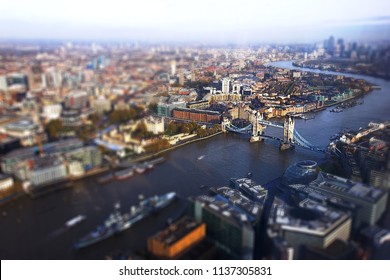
(197, 115)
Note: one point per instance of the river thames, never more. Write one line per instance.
(33, 229)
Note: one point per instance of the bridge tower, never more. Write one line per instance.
(257, 128)
(225, 122)
(288, 130)
(288, 133)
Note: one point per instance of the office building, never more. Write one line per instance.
(309, 224)
(165, 109)
(228, 227)
(76, 99)
(46, 170)
(302, 172)
(370, 201)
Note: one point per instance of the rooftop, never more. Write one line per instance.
(309, 218)
(46, 162)
(250, 188)
(224, 210)
(198, 111)
(335, 184)
(236, 198)
(21, 125)
(177, 230)
(49, 147)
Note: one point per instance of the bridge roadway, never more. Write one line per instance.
(298, 139)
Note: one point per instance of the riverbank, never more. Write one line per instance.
(150, 156)
(340, 70)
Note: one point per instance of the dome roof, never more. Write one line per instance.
(302, 172)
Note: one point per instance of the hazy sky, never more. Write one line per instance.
(201, 20)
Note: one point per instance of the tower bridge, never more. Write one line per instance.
(291, 137)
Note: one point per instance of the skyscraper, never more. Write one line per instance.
(173, 67)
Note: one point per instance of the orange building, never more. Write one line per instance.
(177, 238)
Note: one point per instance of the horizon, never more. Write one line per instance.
(218, 22)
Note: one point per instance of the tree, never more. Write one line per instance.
(95, 118)
(201, 132)
(193, 126)
(158, 145)
(122, 116)
(171, 129)
(185, 129)
(152, 107)
(141, 132)
(53, 128)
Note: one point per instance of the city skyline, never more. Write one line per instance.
(252, 130)
(203, 22)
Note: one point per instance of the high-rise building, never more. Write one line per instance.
(173, 67)
(228, 227)
(225, 85)
(331, 45)
(181, 77)
(3, 83)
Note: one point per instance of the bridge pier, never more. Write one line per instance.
(285, 146)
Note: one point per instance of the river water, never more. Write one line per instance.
(33, 229)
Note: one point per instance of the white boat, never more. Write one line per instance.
(201, 157)
(140, 169)
(75, 221)
(124, 174)
(149, 165)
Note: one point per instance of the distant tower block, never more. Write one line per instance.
(288, 133)
(173, 67)
(181, 77)
(257, 128)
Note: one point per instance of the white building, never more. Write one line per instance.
(154, 125)
(76, 168)
(52, 111)
(101, 104)
(52, 172)
(3, 83)
(25, 130)
(6, 182)
(225, 85)
(173, 67)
